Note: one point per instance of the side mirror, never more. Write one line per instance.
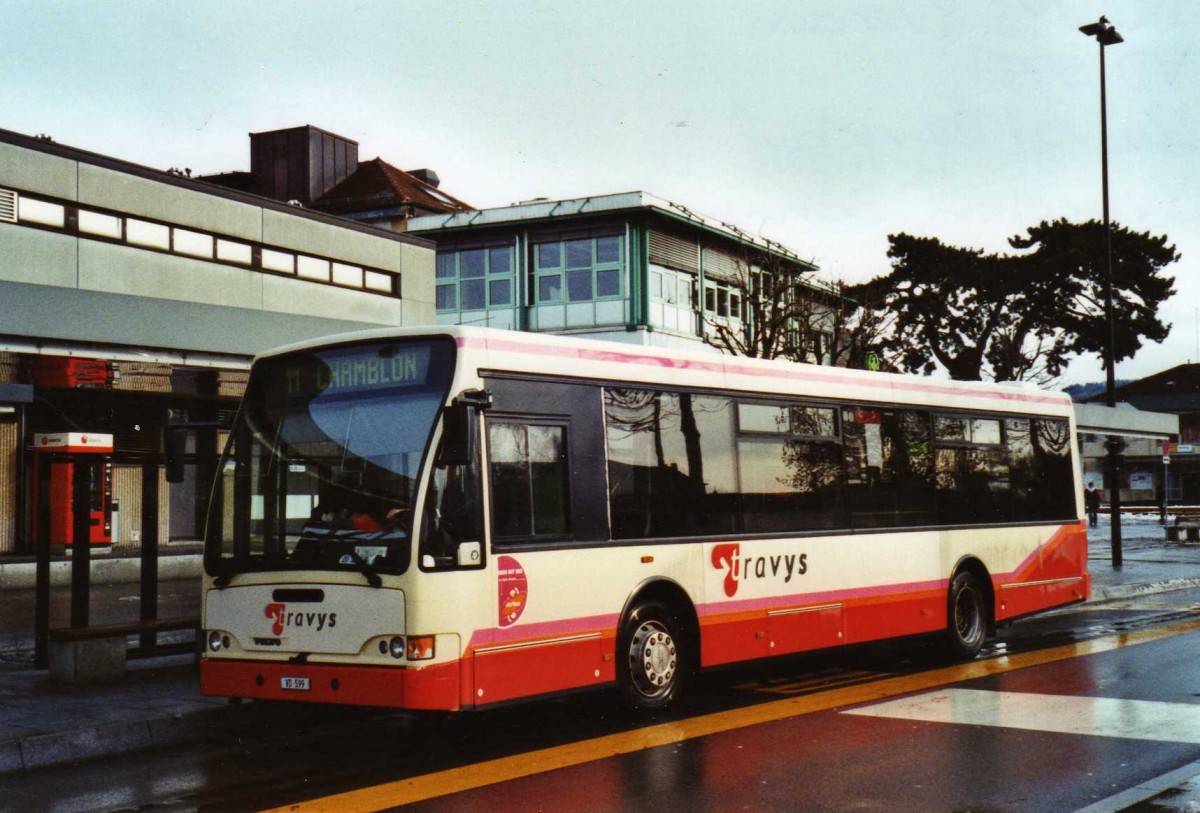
(458, 444)
(460, 436)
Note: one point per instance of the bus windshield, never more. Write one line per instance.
(321, 469)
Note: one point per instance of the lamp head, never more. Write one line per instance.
(1104, 32)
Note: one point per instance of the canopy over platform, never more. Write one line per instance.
(1125, 420)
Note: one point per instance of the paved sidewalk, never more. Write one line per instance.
(1150, 563)
(158, 704)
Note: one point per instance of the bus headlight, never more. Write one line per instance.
(217, 641)
(396, 647)
(420, 647)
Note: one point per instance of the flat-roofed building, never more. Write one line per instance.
(631, 267)
(133, 295)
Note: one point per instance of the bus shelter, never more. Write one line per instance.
(69, 516)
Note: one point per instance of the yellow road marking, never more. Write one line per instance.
(471, 777)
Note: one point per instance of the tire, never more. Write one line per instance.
(651, 664)
(967, 617)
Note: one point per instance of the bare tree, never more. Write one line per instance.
(855, 326)
(772, 306)
(757, 311)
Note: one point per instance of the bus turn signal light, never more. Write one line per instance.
(420, 647)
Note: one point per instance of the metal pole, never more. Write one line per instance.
(1114, 445)
(1166, 496)
(41, 541)
(1114, 442)
(1111, 379)
(81, 542)
(21, 524)
(149, 586)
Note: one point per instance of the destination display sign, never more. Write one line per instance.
(359, 369)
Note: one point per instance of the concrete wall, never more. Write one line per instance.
(99, 287)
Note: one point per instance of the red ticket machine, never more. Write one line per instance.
(53, 449)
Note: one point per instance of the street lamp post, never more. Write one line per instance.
(1106, 34)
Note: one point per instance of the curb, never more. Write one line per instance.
(113, 739)
(121, 570)
(1122, 591)
(217, 722)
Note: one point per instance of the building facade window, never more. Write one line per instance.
(579, 269)
(673, 300)
(171, 239)
(722, 301)
(475, 279)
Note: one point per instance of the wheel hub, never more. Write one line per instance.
(653, 656)
(966, 614)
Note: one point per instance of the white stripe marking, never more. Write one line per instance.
(1062, 714)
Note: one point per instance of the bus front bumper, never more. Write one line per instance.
(433, 687)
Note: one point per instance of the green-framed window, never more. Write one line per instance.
(722, 301)
(477, 278)
(672, 287)
(582, 269)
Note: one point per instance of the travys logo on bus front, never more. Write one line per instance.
(778, 568)
(281, 618)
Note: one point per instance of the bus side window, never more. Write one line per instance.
(451, 530)
(529, 475)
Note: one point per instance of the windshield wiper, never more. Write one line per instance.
(365, 568)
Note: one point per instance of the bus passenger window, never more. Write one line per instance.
(887, 467)
(1052, 442)
(789, 467)
(869, 452)
(529, 480)
(671, 465)
(972, 470)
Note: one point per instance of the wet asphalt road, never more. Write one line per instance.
(815, 759)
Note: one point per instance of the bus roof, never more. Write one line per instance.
(492, 349)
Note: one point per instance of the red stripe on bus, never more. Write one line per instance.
(431, 687)
(1054, 574)
(817, 599)
(543, 630)
(760, 627)
(1062, 556)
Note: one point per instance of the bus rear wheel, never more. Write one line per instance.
(967, 623)
(651, 662)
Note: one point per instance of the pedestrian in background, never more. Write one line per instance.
(1091, 503)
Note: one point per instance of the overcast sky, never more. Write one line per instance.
(823, 125)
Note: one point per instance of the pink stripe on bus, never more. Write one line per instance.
(813, 375)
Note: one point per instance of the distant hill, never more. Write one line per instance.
(1082, 392)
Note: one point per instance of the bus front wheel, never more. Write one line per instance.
(651, 663)
(966, 626)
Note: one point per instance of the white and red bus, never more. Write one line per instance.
(451, 518)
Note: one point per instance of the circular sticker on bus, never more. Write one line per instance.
(514, 590)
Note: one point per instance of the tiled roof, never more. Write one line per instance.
(376, 184)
